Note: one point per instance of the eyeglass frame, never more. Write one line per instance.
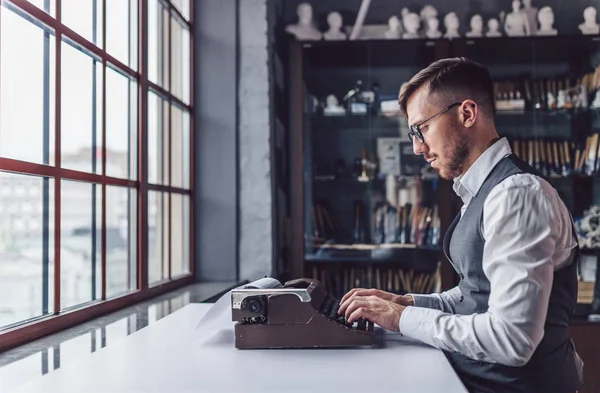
(415, 128)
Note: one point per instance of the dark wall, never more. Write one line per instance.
(216, 124)
(567, 14)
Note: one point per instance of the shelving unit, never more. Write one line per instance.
(326, 151)
(345, 230)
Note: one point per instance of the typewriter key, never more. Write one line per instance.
(362, 324)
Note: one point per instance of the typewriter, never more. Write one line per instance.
(298, 314)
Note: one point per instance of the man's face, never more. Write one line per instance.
(445, 145)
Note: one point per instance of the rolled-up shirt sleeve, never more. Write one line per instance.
(521, 226)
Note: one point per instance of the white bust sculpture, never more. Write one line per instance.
(516, 23)
(589, 25)
(451, 23)
(428, 12)
(531, 13)
(304, 29)
(546, 19)
(433, 31)
(394, 28)
(476, 26)
(334, 20)
(332, 106)
(411, 26)
(493, 28)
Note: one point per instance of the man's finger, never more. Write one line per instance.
(349, 293)
(354, 305)
(344, 305)
(346, 300)
(360, 312)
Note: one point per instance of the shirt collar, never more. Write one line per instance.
(467, 185)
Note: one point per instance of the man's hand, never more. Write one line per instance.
(399, 299)
(383, 312)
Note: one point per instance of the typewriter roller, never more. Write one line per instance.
(300, 314)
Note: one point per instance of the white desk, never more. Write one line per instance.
(165, 357)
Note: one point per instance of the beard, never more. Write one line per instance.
(457, 152)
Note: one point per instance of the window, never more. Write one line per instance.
(158, 43)
(121, 23)
(121, 125)
(27, 59)
(26, 263)
(158, 140)
(83, 220)
(158, 235)
(81, 127)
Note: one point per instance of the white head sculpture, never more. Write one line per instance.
(476, 24)
(428, 12)
(394, 23)
(546, 19)
(334, 20)
(305, 13)
(411, 23)
(589, 16)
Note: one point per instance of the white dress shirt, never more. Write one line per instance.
(528, 235)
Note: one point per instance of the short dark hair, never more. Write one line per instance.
(457, 78)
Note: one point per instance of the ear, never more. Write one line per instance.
(469, 111)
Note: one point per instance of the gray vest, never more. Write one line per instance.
(552, 367)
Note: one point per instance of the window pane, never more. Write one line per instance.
(154, 130)
(158, 48)
(158, 141)
(121, 240)
(121, 130)
(27, 90)
(177, 147)
(183, 6)
(180, 60)
(186, 234)
(26, 247)
(185, 150)
(180, 148)
(176, 235)
(81, 95)
(81, 248)
(180, 244)
(84, 17)
(158, 236)
(121, 31)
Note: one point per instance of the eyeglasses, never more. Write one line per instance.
(415, 129)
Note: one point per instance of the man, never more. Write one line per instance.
(505, 327)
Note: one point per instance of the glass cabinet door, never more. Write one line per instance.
(371, 216)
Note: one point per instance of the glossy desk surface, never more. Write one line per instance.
(175, 355)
